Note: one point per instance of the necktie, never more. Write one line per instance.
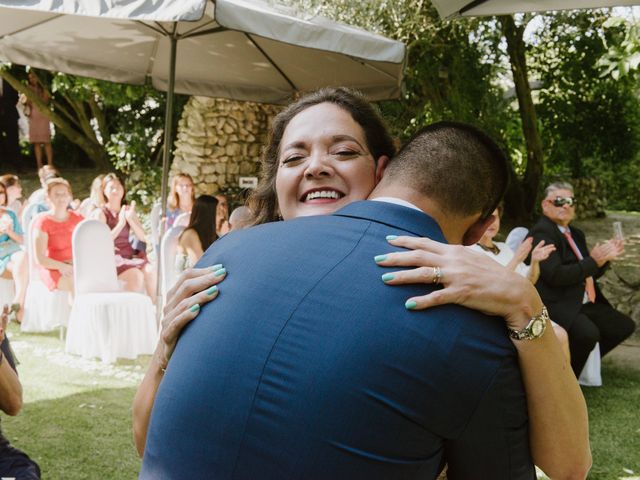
(590, 286)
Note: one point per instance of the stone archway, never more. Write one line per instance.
(219, 141)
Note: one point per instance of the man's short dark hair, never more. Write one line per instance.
(456, 165)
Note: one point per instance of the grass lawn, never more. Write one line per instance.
(76, 419)
(615, 424)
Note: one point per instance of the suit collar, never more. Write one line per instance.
(395, 216)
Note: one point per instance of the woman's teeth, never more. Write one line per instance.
(322, 194)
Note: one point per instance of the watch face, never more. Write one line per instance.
(537, 327)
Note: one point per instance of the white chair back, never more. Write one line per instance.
(516, 237)
(155, 218)
(44, 310)
(182, 220)
(168, 252)
(94, 264)
(28, 215)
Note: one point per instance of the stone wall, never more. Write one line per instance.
(219, 141)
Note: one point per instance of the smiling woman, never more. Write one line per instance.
(322, 170)
(329, 149)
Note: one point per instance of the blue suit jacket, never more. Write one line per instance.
(308, 366)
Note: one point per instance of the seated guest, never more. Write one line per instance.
(95, 199)
(131, 260)
(199, 234)
(14, 192)
(567, 281)
(502, 253)
(222, 216)
(13, 260)
(13, 462)
(45, 174)
(52, 237)
(240, 218)
(181, 197)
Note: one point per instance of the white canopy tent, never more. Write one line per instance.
(250, 50)
(455, 8)
(240, 49)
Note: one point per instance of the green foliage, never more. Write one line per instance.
(127, 121)
(451, 68)
(623, 56)
(590, 124)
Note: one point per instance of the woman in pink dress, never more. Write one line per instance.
(128, 237)
(39, 130)
(52, 237)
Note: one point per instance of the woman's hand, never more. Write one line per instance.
(542, 252)
(66, 270)
(469, 279)
(194, 288)
(522, 252)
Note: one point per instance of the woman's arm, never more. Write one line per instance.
(10, 387)
(41, 240)
(98, 214)
(559, 430)
(179, 310)
(132, 219)
(539, 254)
(190, 243)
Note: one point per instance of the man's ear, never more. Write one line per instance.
(381, 166)
(476, 230)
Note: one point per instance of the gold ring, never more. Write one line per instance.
(437, 274)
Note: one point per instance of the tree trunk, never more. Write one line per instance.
(530, 184)
(90, 146)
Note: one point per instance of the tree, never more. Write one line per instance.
(117, 126)
(530, 183)
(71, 116)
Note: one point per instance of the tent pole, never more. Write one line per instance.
(168, 137)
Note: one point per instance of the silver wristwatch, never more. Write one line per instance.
(534, 329)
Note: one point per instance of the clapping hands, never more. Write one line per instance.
(542, 251)
(607, 251)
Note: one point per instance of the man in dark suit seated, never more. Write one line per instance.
(309, 367)
(567, 283)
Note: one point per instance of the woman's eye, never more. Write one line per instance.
(345, 153)
(291, 158)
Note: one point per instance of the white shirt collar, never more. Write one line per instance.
(397, 201)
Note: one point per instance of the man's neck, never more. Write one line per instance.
(452, 228)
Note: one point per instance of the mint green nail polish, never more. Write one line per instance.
(410, 305)
(195, 308)
(220, 272)
(380, 258)
(387, 276)
(212, 290)
(216, 267)
(392, 237)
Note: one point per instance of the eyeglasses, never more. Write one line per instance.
(560, 201)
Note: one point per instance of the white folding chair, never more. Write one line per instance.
(516, 237)
(182, 220)
(155, 217)
(590, 375)
(28, 213)
(7, 291)
(105, 322)
(168, 252)
(44, 310)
